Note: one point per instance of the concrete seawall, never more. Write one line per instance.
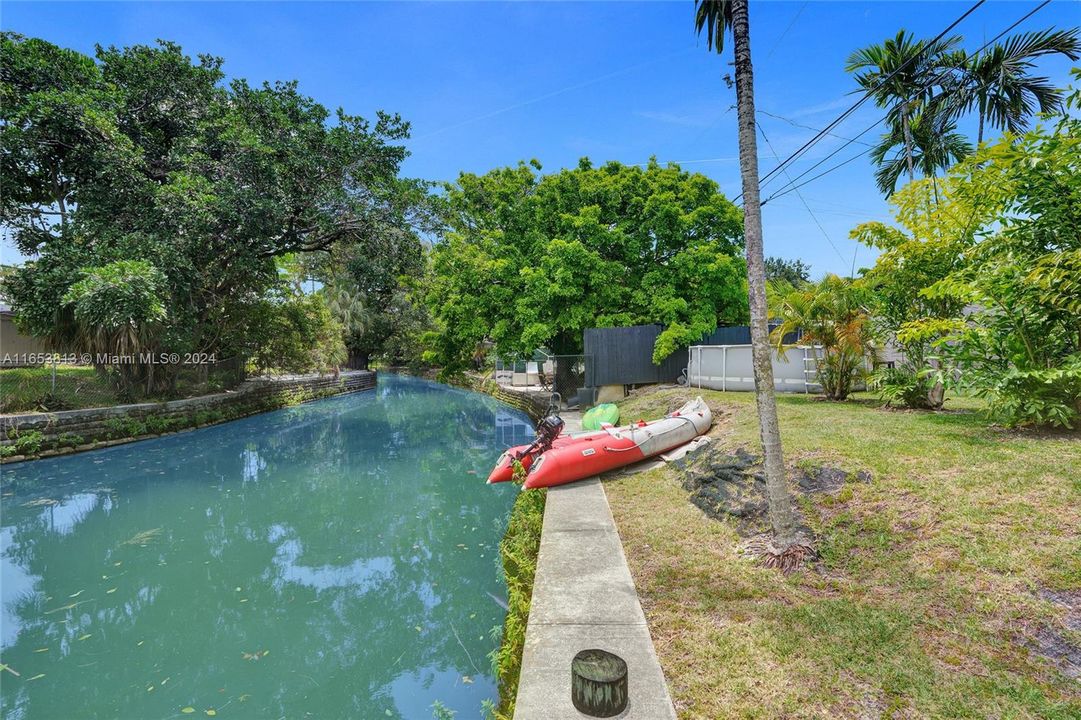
(63, 432)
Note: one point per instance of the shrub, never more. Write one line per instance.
(831, 314)
(299, 334)
(125, 427)
(1035, 397)
(68, 439)
(518, 550)
(28, 443)
(908, 387)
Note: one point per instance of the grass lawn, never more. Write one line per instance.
(933, 584)
(29, 389)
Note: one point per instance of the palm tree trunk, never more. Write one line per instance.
(782, 509)
(908, 145)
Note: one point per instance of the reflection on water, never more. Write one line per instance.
(329, 560)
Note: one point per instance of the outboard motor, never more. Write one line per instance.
(548, 430)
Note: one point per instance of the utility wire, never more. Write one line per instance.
(791, 22)
(864, 98)
(793, 186)
(554, 93)
(800, 195)
(793, 123)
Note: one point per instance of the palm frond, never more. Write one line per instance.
(715, 17)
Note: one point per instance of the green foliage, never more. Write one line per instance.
(925, 86)
(123, 293)
(793, 273)
(531, 260)
(1006, 274)
(374, 289)
(905, 386)
(298, 333)
(117, 310)
(125, 427)
(26, 443)
(936, 223)
(69, 439)
(831, 314)
(518, 549)
(148, 156)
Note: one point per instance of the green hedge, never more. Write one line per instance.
(518, 550)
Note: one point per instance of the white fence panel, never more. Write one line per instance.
(729, 367)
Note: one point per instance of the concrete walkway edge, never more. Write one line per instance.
(584, 597)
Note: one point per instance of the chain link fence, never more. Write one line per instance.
(56, 386)
(560, 377)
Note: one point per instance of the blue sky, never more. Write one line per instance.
(486, 84)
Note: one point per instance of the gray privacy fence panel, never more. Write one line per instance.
(740, 335)
(624, 356)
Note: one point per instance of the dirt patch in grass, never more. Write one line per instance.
(921, 604)
(1059, 640)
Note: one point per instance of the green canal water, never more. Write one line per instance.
(338, 559)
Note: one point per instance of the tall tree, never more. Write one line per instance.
(142, 154)
(531, 260)
(998, 86)
(901, 75)
(717, 17)
(935, 145)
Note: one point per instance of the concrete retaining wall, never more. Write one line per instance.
(36, 435)
(532, 404)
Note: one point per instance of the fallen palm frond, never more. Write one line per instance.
(144, 537)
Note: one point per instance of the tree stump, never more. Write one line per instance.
(599, 683)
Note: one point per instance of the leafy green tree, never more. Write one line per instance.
(924, 86)
(1001, 273)
(832, 314)
(145, 155)
(368, 287)
(531, 260)
(793, 273)
(298, 334)
(936, 222)
(717, 18)
(1020, 344)
(934, 144)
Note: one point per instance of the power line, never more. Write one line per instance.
(864, 98)
(554, 93)
(791, 186)
(793, 123)
(800, 195)
(787, 28)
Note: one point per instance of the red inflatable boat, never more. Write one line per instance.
(567, 458)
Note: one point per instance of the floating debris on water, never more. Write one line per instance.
(146, 536)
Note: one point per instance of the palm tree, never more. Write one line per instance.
(716, 17)
(998, 86)
(347, 304)
(936, 145)
(831, 315)
(901, 75)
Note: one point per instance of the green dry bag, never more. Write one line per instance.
(603, 413)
